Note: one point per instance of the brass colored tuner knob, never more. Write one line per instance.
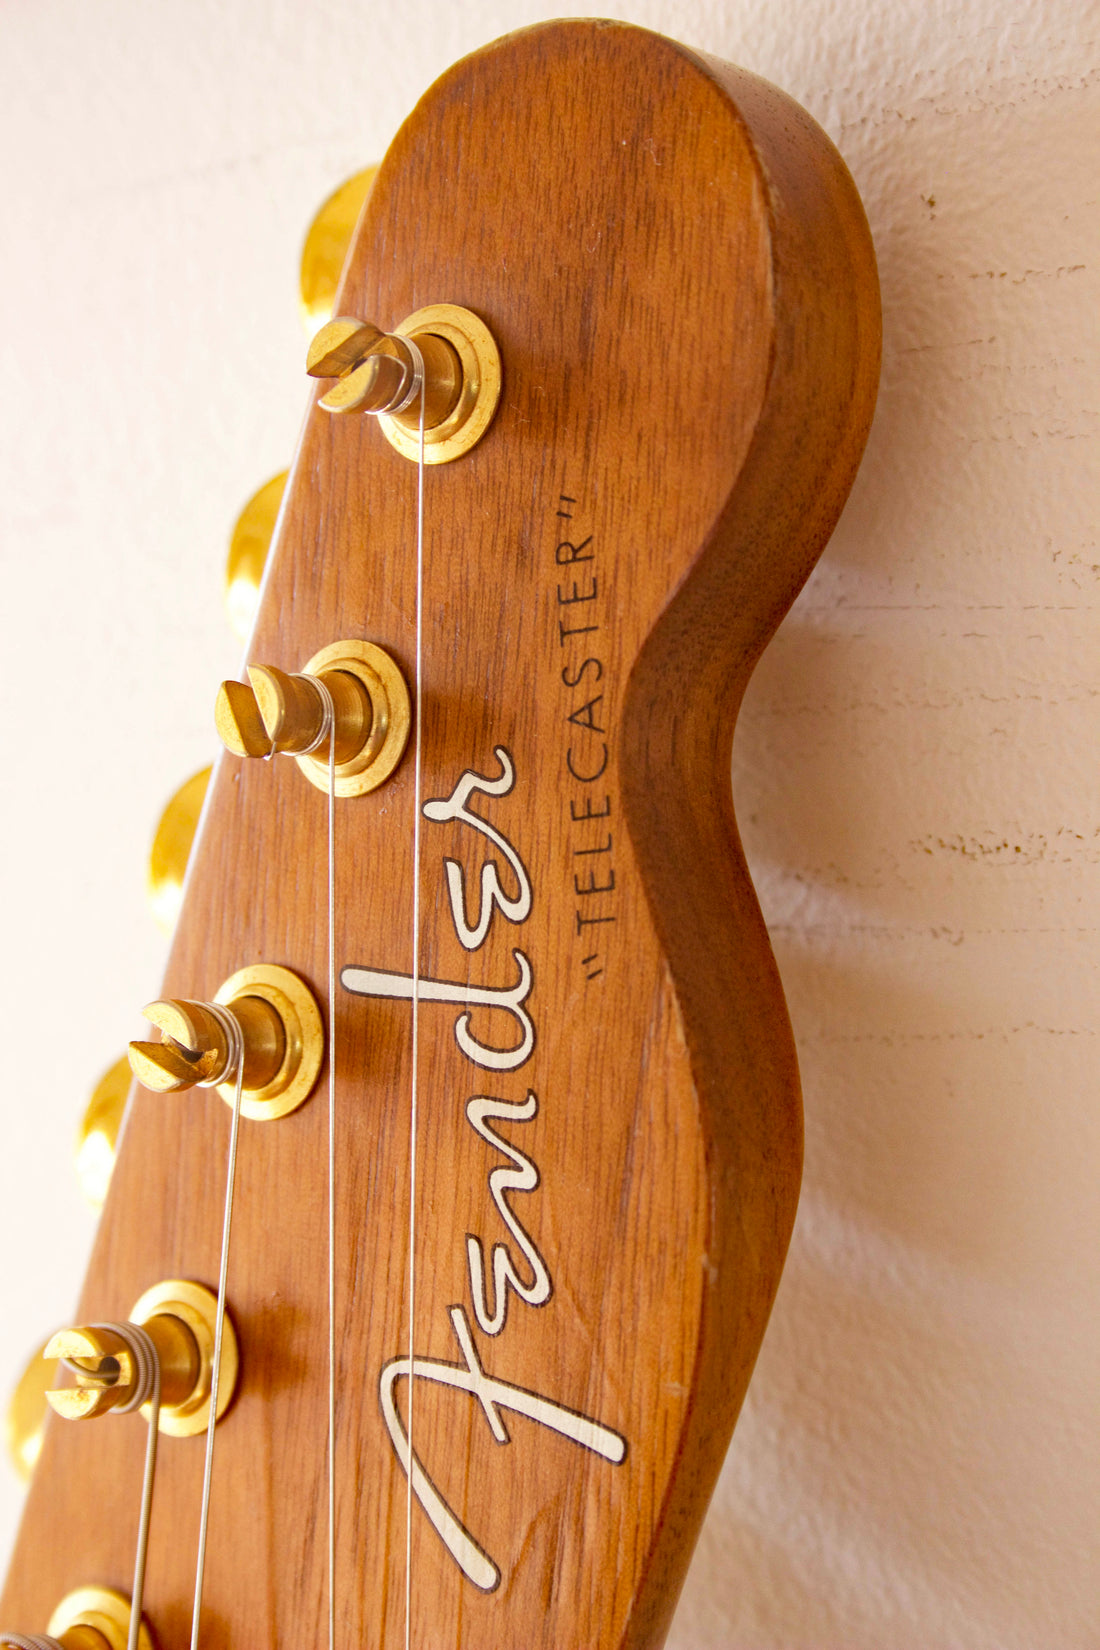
(275, 713)
(180, 1319)
(248, 548)
(326, 246)
(27, 1411)
(451, 377)
(97, 1136)
(282, 1043)
(172, 848)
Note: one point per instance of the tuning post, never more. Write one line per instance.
(180, 1319)
(277, 1051)
(278, 713)
(90, 1618)
(377, 372)
(450, 381)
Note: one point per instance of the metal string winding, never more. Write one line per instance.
(233, 1064)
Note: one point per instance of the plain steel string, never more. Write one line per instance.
(234, 1061)
(418, 363)
(326, 733)
(142, 1343)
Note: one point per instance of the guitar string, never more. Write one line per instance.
(329, 725)
(418, 362)
(148, 1381)
(234, 1062)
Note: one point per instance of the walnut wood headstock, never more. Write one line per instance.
(677, 271)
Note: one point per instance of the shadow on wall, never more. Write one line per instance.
(915, 1463)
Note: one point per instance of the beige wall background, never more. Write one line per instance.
(916, 770)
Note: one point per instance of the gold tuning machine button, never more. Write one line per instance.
(278, 1047)
(97, 1136)
(326, 246)
(440, 368)
(91, 1618)
(172, 848)
(275, 713)
(248, 548)
(27, 1411)
(180, 1319)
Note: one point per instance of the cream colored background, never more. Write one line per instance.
(917, 769)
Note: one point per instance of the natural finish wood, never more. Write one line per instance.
(676, 267)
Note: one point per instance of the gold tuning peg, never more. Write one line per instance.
(376, 372)
(27, 1411)
(90, 1618)
(453, 373)
(180, 1318)
(98, 1132)
(195, 1045)
(96, 1618)
(172, 848)
(326, 246)
(278, 713)
(279, 1042)
(248, 549)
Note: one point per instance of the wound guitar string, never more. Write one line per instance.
(418, 365)
(328, 730)
(234, 1063)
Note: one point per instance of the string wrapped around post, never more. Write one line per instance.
(232, 1068)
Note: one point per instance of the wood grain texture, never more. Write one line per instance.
(677, 270)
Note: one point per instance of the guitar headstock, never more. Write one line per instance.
(558, 1242)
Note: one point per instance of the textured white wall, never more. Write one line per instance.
(916, 770)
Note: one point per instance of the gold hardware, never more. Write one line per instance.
(180, 1318)
(27, 1411)
(276, 712)
(98, 1132)
(96, 1618)
(248, 550)
(375, 373)
(283, 715)
(326, 246)
(172, 847)
(281, 1029)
